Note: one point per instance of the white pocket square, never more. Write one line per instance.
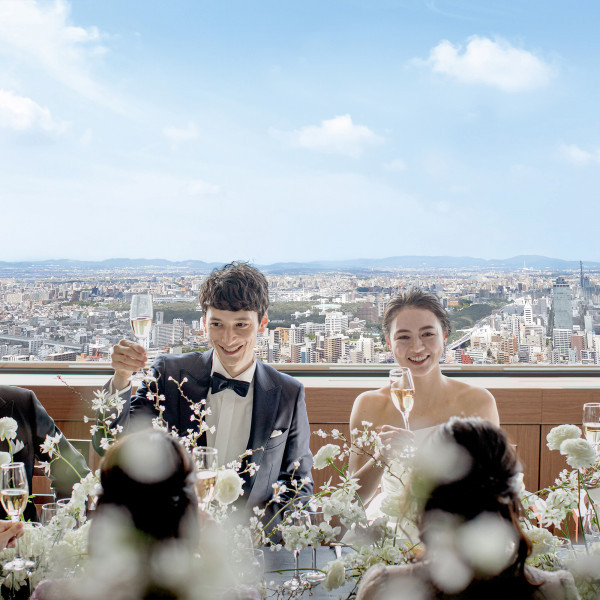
(276, 433)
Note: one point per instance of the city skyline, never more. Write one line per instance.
(276, 132)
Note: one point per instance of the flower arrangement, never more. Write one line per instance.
(61, 547)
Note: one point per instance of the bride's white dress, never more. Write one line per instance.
(394, 480)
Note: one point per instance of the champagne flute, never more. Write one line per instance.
(14, 493)
(295, 518)
(403, 392)
(314, 575)
(207, 463)
(591, 423)
(141, 314)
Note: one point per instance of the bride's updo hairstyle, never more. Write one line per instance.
(487, 482)
(414, 298)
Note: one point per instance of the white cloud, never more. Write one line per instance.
(397, 164)
(202, 188)
(337, 136)
(23, 114)
(40, 33)
(178, 135)
(488, 62)
(579, 157)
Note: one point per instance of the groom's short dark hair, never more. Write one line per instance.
(237, 286)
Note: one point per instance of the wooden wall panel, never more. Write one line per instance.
(527, 439)
(518, 405)
(565, 405)
(552, 462)
(330, 405)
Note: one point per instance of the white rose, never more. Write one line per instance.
(336, 575)
(229, 486)
(580, 453)
(324, 455)
(8, 428)
(4, 458)
(558, 435)
(542, 541)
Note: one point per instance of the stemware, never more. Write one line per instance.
(49, 511)
(314, 575)
(295, 518)
(591, 423)
(250, 566)
(14, 492)
(403, 392)
(141, 314)
(207, 463)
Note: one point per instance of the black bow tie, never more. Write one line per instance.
(219, 383)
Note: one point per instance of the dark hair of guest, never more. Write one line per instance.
(237, 286)
(162, 509)
(488, 486)
(414, 298)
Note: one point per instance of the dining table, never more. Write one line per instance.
(279, 567)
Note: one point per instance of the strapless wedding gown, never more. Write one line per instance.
(394, 480)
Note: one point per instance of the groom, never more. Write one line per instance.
(252, 405)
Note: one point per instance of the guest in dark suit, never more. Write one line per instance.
(252, 405)
(33, 425)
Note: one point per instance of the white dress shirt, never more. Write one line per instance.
(230, 414)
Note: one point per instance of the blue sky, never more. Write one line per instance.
(299, 130)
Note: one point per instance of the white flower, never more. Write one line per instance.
(8, 428)
(50, 443)
(558, 435)
(326, 453)
(580, 453)
(542, 541)
(229, 486)
(336, 575)
(4, 458)
(16, 446)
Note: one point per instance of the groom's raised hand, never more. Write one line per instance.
(127, 358)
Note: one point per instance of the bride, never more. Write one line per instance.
(415, 326)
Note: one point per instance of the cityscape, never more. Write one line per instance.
(522, 316)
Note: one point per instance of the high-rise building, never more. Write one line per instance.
(333, 348)
(562, 304)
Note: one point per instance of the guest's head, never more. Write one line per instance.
(415, 326)
(479, 483)
(235, 301)
(150, 476)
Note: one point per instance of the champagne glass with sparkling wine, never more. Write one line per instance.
(403, 392)
(14, 492)
(141, 314)
(591, 423)
(207, 463)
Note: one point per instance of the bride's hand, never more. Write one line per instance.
(395, 437)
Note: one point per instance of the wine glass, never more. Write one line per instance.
(314, 575)
(207, 463)
(403, 392)
(295, 518)
(14, 492)
(591, 423)
(141, 314)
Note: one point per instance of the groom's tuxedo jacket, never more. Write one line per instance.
(33, 425)
(279, 420)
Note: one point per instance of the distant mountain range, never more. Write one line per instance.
(362, 265)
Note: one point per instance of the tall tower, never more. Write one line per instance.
(563, 309)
